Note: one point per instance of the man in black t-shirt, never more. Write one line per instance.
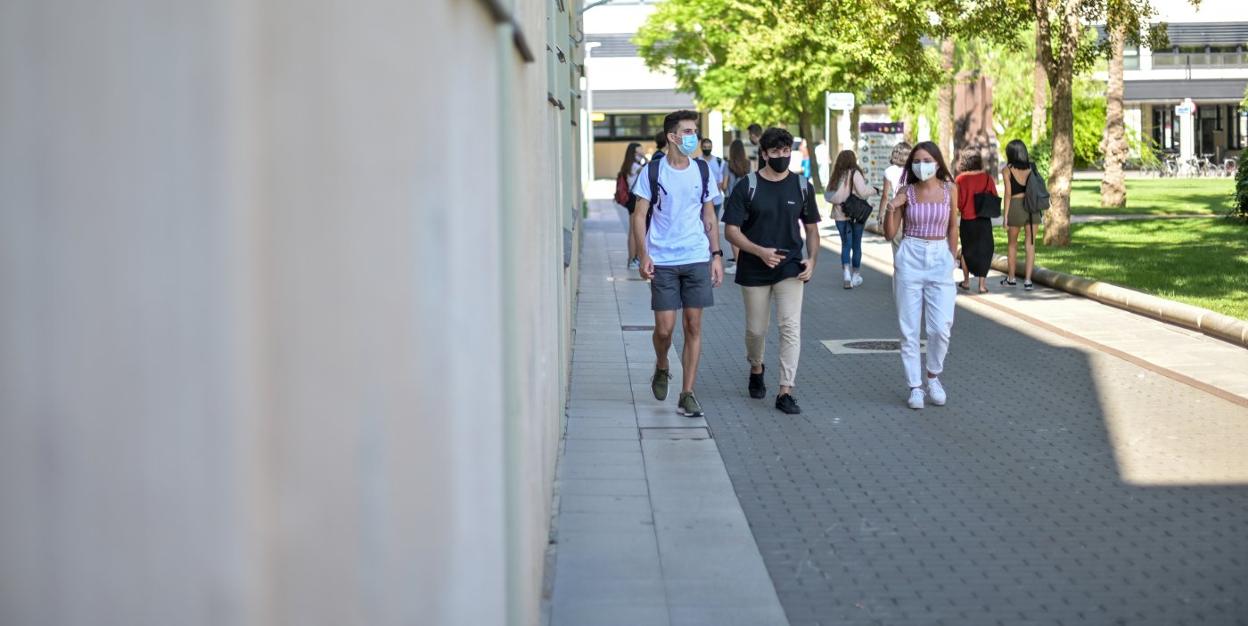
(766, 225)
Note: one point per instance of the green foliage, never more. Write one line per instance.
(1239, 206)
(769, 61)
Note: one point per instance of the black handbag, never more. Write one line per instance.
(987, 205)
(856, 209)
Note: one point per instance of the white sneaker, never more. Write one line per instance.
(916, 398)
(634, 264)
(731, 269)
(857, 280)
(936, 391)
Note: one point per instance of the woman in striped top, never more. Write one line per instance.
(925, 212)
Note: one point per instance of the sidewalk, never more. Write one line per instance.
(1077, 476)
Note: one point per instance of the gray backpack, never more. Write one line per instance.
(1035, 195)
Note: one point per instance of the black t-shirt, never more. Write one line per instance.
(771, 220)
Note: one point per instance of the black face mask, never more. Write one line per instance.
(779, 164)
(706, 152)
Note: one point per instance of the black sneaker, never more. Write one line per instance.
(758, 389)
(788, 404)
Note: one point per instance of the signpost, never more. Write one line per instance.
(835, 101)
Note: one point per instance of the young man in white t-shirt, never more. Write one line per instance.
(681, 261)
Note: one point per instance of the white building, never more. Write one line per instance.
(1206, 63)
(628, 100)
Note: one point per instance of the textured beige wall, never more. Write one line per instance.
(262, 331)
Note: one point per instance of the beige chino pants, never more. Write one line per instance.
(787, 295)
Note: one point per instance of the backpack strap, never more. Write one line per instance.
(652, 174)
(705, 169)
(752, 177)
(801, 184)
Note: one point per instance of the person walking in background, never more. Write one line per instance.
(847, 178)
(719, 172)
(1018, 168)
(975, 231)
(680, 256)
(737, 169)
(894, 178)
(764, 219)
(634, 162)
(925, 212)
(754, 132)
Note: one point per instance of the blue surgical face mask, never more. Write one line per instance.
(689, 144)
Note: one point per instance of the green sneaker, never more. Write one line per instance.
(658, 383)
(688, 405)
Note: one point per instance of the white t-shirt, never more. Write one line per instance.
(892, 174)
(677, 235)
(719, 171)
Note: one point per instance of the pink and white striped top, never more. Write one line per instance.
(927, 220)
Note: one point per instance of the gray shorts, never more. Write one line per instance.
(681, 287)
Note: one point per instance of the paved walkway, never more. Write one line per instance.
(1090, 467)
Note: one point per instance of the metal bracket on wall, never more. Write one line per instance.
(550, 97)
(503, 15)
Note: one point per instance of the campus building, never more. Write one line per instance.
(287, 297)
(1186, 98)
(628, 100)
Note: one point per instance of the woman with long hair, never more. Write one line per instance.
(1018, 168)
(634, 162)
(925, 212)
(738, 168)
(847, 178)
(975, 231)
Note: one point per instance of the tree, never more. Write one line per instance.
(771, 61)
(1125, 19)
(1040, 99)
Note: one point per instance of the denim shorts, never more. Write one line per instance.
(681, 287)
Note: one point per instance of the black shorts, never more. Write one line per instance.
(632, 203)
(681, 287)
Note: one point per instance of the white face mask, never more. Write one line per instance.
(923, 170)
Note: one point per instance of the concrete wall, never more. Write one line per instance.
(269, 354)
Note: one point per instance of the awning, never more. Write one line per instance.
(613, 45)
(1208, 33)
(1202, 90)
(637, 100)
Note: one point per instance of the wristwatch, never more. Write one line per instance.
(717, 253)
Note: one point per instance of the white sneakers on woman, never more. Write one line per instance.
(916, 398)
(934, 389)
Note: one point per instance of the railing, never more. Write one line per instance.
(1203, 59)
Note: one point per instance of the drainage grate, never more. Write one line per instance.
(627, 328)
(874, 345)
(867, 346)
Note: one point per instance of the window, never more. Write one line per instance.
(1130, 57)
(629, 126)
(1165, 127)
(1236, 127)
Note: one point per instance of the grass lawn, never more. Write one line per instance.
(1161, 196)
(1200, 262)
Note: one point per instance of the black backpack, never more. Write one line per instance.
(1035, 194)
(752, 182)
(652, 173)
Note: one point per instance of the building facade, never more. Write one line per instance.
(272, 352)
(628, 100)
(1186, 98)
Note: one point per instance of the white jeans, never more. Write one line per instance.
(923, 287)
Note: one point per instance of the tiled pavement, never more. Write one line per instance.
(1062, 484)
